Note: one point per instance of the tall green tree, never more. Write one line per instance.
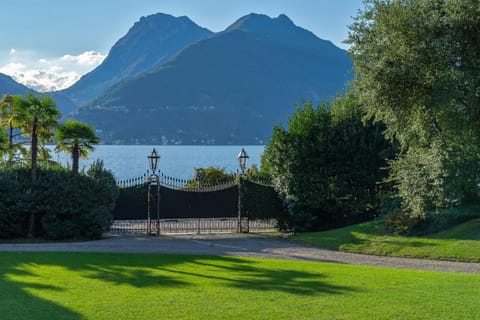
(7, 116)
(417, 69)
(328, 165)
(78, 139)
(9, 121)
(38, 117)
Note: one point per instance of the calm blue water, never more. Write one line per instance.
(177, 161)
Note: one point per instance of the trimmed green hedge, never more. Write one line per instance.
(259, 201)
(65, 206)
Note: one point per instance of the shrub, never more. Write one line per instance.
(443, 219)
(210, 176)
(398, 222)
(65, 206)
(259, 201)
(328, 165)
(14, 203)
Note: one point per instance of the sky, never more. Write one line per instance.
(49, 44)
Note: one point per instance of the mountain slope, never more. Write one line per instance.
(10, 86)
(151, 41)
(229, 88)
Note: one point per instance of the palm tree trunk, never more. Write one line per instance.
(33, 150)
(10, 138)
(33, 155)
(75, 159)
(10, 144)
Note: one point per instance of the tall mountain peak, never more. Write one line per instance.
(282, 30)
(255, 22)
(151, 41)
(162, 21)
(284, 17)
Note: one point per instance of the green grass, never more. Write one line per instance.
(460, 243)
(140, 286)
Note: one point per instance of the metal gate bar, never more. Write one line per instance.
(197, 225)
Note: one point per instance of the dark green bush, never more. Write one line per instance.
(444, 219)
(65, 206)
(13, 203)
(396, 221)
(210, 176)
(328, 165)
(259, 201)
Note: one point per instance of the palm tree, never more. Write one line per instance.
(78, 139)
(9, 120)
(7, 115)
(37, 117)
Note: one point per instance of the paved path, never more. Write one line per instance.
(248, 245)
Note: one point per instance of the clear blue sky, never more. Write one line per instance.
(45, 29)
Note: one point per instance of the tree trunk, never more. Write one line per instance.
(33, 150)
(75, 159)
(10, 144)
(33, 155)
(10, 138)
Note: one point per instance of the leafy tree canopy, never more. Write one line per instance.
(327, 165)
(417, 69)
(209, 176)
(77, 138)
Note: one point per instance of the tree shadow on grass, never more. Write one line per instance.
(391, 241)
(239, 274)
(19, 278)
(469, 230)
(20, 282)
(18, 302)
(402, 243)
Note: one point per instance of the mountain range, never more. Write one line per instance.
(169, 81)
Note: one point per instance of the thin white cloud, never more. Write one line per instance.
(88, 58)
(13, 51)
(50, 74)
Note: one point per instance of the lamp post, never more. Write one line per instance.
(200, 176)
(242, 158)
(153, 161)
(153, 180)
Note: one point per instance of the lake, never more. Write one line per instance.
(130, 161)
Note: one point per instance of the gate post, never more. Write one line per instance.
(242, 158)
(239, 204)
(153, 179)
(158, 205)
(149, 227)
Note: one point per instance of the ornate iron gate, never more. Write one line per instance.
(183, 207)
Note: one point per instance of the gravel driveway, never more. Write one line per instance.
(247, 245)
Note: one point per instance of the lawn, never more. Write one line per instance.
(140, 286)
(460, 243)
